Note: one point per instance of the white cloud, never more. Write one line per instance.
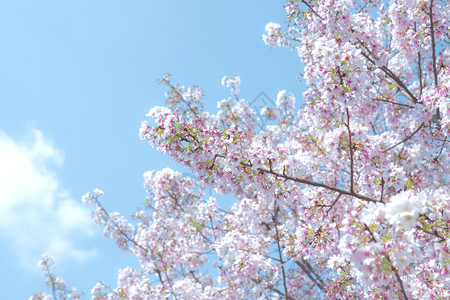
(36, 214)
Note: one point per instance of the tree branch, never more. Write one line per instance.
(442, 148)
(392, 102)
(389, 73)
(330, 207)
(308, 265)
(175, 90)
(123, 233)
(419, 67)
(433, 44)
(258, 281)
(51, 277)
(406, 139)
(214, 160)
(275, 219)
(313, 183)
(350, 146)
(399, 279)
(325, 155)
(308, 273)
(394, 269)
(434, 233)
(433, 54)
(311, 9)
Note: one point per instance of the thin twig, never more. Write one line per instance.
(127, 237)
(389, 73)
(433, 44)
(214, 160)
(350, 146)
(392, 102)
(434, 233)
(330, 207)
(394, 269)
(311, 9)
(334, 202)
(51, 277)
(440, 152)
(419, 67)
(308, 273)
(308, 265)
(324, 154)
(399, 279)
(175, 90)
(275, 219)
(406, 139)
(313, 183)
(258, 281)
(433, 54)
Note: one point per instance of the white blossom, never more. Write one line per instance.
(404, 208)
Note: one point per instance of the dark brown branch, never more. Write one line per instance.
(158, 272)
(196, 279)
(325, 155)
(308, 265)
(170, 285)
(433, 44)
(124, 234)
(389, 73)
(419, 68)
(313, 183)
(373, 239)
(392, 102)
(433, 233)
(214, 160)
(258, 281)
(440, 152)
(51, 277)
(350, 146)
(406, 139)
(394, 269)
(275, 219)
(308, 273)
(433, 54)
(311, 9)
(400, 83)
(330, 207)
(373, 127)
(334, 202)
(175, 90)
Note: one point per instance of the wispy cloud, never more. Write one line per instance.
(37, 214)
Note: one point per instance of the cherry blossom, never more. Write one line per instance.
(59, 288)
(344, 197)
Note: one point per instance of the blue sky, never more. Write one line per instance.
(76, 80)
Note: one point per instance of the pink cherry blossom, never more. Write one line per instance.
(346, 197)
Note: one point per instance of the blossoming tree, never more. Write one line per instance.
(347, 197)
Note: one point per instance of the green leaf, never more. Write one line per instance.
(385, 264)
(409, 185)
(386, 238)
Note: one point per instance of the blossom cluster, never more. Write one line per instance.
(60, 289)
(344, 197)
